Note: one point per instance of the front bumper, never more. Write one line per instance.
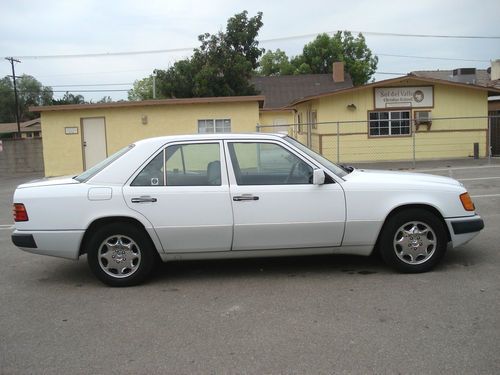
(467, 226)
(464, 229)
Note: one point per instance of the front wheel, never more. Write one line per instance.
(120, 254)
(413, 241)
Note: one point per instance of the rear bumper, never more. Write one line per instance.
(23, 240)
(464, 229)
(62, 244)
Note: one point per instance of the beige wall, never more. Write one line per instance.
(269, 118)
(63, 153)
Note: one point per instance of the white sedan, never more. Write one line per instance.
(237, 195)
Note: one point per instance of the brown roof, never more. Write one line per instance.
(491, 90)
(482, 77)
(26, 126)
(145, 103)
(280, 91)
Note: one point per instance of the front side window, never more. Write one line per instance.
(267, 164)
(389, 123)
(214, 126)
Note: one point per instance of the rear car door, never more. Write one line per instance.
(183, 191)
(275, 204)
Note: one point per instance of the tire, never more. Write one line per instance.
(121, 254)
(413, 241)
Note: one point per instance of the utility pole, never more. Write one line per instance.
(12, 61)
(154, 84)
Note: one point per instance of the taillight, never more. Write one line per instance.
(20, 213)
(467, 202)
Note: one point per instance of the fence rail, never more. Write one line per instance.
(401, 139)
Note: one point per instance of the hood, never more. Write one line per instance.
(49, 181)
(417, 180)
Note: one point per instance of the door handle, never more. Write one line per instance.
(245, 197)
(143, 199)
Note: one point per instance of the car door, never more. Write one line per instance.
(275, 203)
(183, 191)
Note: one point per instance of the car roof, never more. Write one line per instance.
(218, 136)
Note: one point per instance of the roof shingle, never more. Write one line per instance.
(280, 91)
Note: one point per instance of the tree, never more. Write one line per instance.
(69, 98)
(221, 66)
(142, 89)
(7, 104)
(319, 55)
(105, 99)
(30, 93)
(275, 63)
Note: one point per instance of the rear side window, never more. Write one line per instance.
(196, 164)
(152, 174)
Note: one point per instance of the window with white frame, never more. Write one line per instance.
(214, 126)
(389, 123)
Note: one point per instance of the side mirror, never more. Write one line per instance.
(318, 177)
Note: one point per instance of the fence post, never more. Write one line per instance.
(338, 142)
(414, 131)
(257, 128)
(489, 140)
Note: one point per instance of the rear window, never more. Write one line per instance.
(91, 172)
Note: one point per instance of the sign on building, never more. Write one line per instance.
(411, 97)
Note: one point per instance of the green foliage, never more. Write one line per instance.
(142, 89)
(221, 66)
(69, 98)
(7, 106)
(30, 93)
(319, 55)
(275, 63)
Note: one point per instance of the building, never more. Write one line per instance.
(29, 129)
(483, 77)
(76, 137)
(280, 91)
(397, 119)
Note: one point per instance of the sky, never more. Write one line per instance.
(51, 27)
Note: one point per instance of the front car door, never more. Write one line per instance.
(183, 191)
(275, 204)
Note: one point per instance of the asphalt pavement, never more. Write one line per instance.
(301, 315)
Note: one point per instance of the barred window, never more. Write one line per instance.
(389, 123)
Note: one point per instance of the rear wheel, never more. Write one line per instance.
(120, 254)
(413, 241)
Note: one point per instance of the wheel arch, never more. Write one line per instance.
(109, 220)
(402, 207)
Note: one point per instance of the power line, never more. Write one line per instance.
(111, 90)
(94, 84)
(430, 58)
(188, 49)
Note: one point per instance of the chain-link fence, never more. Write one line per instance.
(396, 139)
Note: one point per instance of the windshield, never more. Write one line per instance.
(334, 168)
(91, 172)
